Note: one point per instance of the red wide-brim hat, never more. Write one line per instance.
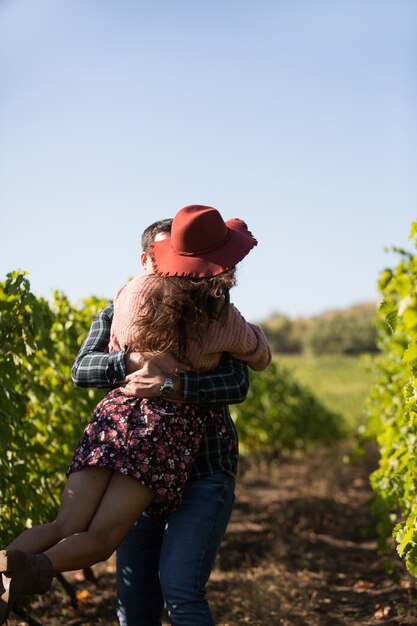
(201, 244)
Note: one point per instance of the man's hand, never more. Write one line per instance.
(143, 384)
(146, 382)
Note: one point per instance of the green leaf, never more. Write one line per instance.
(406, 538)
(410, 354)
(413, 230)
(390, 311)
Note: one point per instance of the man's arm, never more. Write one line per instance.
(228, 383)
(94, 366)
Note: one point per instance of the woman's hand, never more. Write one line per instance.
(164, 361)
(133, 361)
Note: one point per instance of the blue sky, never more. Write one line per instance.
(297, 116)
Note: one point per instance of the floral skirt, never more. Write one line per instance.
(153, 440)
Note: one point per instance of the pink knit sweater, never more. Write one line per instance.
(241, 339)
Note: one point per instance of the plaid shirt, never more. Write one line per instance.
(226, 384)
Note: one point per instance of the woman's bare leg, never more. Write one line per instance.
(122, 503)
(81, 497)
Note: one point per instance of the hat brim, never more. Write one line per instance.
(167, 262)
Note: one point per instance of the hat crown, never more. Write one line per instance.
(198, 229)
(201, 244)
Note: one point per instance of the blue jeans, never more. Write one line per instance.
(170, 560)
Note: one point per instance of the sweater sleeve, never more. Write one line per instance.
(244, 341)
(128, 304)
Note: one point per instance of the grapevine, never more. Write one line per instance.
(42, 413)
(392, 405)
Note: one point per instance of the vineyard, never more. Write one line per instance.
(392, 407)
(280, 426)
(43, 413)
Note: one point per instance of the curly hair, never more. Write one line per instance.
(178, 307)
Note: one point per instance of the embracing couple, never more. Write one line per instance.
(154, 471)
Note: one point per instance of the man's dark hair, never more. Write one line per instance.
(149, 234)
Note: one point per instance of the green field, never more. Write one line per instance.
(340, 382)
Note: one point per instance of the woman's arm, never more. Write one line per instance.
(94, 366)
(242, 340)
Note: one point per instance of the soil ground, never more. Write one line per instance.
(299, 550)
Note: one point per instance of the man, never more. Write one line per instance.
(170, 559)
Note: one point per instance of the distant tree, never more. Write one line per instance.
(279, 330)
(326, 336)
(350, 331)
(346, 331)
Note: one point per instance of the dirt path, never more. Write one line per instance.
(298, 551)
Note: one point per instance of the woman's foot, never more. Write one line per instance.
(22, 574)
